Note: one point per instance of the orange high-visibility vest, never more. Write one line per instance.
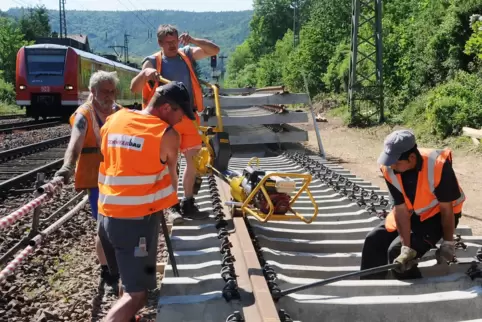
(132, 181)
(425, 204)
(147, 92)
(87, 168)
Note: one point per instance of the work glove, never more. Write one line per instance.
(65, 172)
(446, 252)
(406, 259)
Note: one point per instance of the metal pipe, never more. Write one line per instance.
(9, 220)
(315, 125)
(68, 204)
(38, 239)
(19, 259)
(365, 272)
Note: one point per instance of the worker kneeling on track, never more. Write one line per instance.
(427, 207)
(84, 149)
(137, 180)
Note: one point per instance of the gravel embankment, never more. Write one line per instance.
(60, 280)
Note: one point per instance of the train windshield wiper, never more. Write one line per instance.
(48, 74)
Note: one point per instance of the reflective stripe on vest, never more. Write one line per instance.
(136, 200)
(132, 180)
(431, 176)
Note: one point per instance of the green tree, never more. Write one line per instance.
(11, 40)
(35, 23)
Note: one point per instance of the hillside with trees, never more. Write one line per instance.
(20, 27)
(107, 28)
(431, 57)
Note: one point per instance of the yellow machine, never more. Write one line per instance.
(264, 195)
(216, 150)
(267, 195)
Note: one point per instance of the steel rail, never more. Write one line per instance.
(31, 148)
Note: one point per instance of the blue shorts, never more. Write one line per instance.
(93, 198)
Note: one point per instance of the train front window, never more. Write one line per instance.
(45, 65)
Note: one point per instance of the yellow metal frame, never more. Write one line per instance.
(203, 159)
(271, 216)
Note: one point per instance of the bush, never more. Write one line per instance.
(444, 110)
(7, 92)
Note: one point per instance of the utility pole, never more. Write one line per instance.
(63, 22)
(365, 88)
(295, 5)
(125, 48)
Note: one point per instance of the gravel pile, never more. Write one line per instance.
(15, 140)
(60, 280)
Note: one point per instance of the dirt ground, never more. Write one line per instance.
(358, 150)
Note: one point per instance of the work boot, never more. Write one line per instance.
(191, 210)
(174, 215)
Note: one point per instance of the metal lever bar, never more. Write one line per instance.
(167, 238)
(365, 272)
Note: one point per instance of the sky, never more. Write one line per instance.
(124, 5)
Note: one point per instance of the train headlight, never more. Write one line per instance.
(22, 87)
(69, 87)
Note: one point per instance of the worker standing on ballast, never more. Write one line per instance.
(177, 64)
(84, 150)
(427, 207)
(137, 180)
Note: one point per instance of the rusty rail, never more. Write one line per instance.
(250, 277)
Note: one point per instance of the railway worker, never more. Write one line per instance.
(137, 180)
(83, 151)
(427, 207)
(177, 65)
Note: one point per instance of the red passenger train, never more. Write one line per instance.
(53, 80)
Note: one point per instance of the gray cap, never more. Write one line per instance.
(394, 145)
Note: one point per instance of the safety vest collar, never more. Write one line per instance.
(429, 162)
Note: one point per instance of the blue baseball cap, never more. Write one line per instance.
(395, 145)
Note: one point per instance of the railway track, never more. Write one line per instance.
(28, 125)
(229, 266)
(12, 116)
(19, 164)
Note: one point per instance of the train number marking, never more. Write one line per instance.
(45, 89)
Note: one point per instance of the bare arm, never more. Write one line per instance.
(169, 150)
(205, 48)
(145, 75)
(76, 141)
(402, 218)
(448, 220)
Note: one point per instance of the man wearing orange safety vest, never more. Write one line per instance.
(83, 151)
(177, 64)
(137, 181)
(427, 207)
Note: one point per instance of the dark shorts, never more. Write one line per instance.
(93, 199)
(121, 238)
